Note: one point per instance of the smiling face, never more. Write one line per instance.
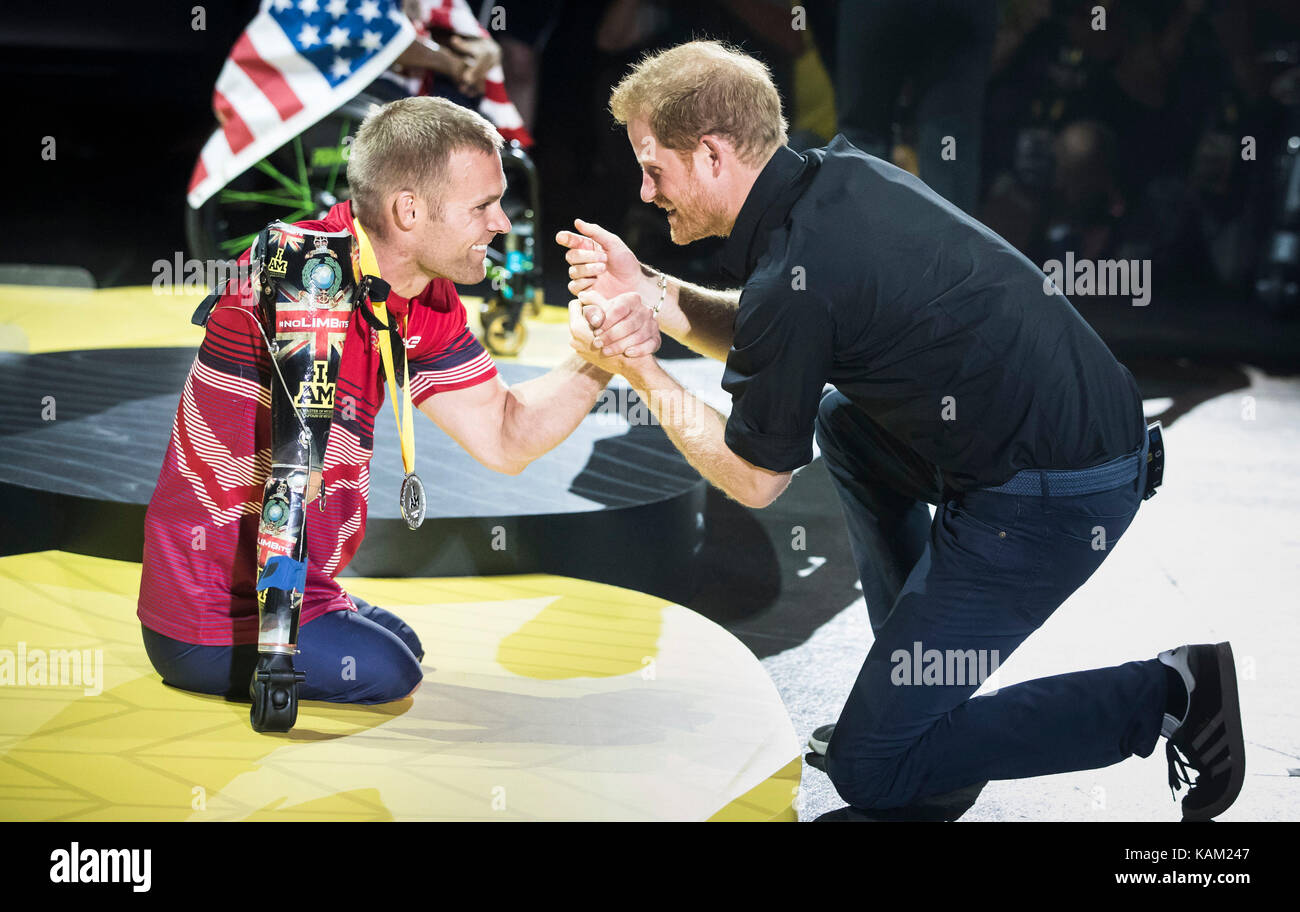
(453, 242)
(680, 188)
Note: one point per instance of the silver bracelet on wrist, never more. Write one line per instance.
(663, 294)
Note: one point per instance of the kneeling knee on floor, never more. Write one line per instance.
(395, 681)
(406, 681)
(864, 783)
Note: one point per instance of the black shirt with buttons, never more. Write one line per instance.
(857, 274)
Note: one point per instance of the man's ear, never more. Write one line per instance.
(719, 149)
(404, 207)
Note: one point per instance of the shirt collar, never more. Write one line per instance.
(342, 212)
(775, 191)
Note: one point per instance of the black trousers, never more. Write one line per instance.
(952, 598)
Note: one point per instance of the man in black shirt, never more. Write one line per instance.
(962, 379)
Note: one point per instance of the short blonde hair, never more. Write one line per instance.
(704, 87)
(408, 143)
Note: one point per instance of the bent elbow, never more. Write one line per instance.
(764, 493)
(760, 502)
(757, 500)
(509, 468)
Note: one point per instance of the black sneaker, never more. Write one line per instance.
(820, 739)
(932, 809)
(1208, 737)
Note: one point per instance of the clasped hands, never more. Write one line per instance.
(610, 324)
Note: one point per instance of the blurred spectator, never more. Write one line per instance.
(941, 51)
(1087, 202)
(1119, 134)
(527, 26)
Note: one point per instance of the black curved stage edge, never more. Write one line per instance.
(615, 503)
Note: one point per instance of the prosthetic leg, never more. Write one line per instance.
(307, 285)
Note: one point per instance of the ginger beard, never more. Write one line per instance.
(670, 180)
(693, 213)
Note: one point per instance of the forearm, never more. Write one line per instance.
(542, 412)
(428, 54)
(702, 319)
(699, 433)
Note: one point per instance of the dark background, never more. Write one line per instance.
(125, 89)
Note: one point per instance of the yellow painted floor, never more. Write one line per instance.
(544, 698)
(36, 319)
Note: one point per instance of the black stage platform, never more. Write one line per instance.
(614, 503)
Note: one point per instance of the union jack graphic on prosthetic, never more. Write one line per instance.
(286, 240)
(320, 330)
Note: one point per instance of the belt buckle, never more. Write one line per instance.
(1155, 460)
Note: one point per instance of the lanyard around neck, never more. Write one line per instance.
(405, 426)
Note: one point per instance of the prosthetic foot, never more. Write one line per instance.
(274, 691)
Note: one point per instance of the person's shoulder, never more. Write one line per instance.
(839, 151)
(837, 155)
(439, 296)
(841, 161)
(336, 221)
(844, 176)
(339, 218)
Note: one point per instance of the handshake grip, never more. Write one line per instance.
(623, 325)
(594, 314)
(306, 286)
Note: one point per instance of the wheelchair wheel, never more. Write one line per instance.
(301, 180)
(504, 333)
(522, 254)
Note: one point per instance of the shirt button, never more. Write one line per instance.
(1002, 535)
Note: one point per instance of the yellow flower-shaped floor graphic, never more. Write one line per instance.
(544, 698)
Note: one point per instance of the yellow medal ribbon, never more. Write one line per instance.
(412, 499)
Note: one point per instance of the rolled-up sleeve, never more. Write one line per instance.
(780, 359)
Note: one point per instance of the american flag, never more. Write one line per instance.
(298, 60)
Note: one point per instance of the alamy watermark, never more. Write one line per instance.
(618, 405)
(1118, 278)
(942, 667)
(25, 667)
(77, 865)
(182, 276)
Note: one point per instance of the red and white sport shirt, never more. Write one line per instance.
(200, 567)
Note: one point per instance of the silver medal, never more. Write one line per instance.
(411, 500)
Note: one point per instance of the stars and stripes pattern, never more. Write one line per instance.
(298, 60)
